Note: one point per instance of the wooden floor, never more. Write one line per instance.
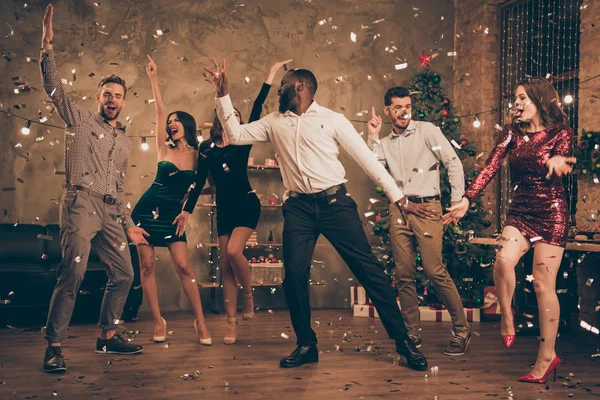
(250, 369)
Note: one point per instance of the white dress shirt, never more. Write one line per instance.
(307, 147)
(413, 158)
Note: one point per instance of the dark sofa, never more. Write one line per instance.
(28, 264)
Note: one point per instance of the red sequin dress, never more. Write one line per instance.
(538, 205)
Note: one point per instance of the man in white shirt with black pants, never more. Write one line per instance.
(306, 139)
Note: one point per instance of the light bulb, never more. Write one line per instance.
(476, 123)
(144, 144)
(568, 99)
(25, 130)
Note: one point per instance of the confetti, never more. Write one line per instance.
(369, 214)
(44, 237)
(451, 54)
(455, 144)
(535, 239)
(589, 281)
(401, 66)
(529, 278)
(283, 335)
(353, 36)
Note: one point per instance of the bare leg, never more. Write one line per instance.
(239, 263)
(179, 255)
(148, 267)
(230, 288)
(546, 262)
(512, 247)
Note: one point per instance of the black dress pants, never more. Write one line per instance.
(336, 217)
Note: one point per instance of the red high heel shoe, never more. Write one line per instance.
(509, 340)
(551, 368)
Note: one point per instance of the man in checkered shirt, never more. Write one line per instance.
(91, 210)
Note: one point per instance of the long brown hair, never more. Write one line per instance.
(545, 98)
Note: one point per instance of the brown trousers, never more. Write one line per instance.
(428, 235)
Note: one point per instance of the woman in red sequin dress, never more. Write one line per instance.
(538, 144)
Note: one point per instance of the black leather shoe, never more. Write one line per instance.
(303, 354)
(117, 345)
(415, 360)
(54, 362)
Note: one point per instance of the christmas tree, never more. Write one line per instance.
(468, 264)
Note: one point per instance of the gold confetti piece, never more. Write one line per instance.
(155, 213)
(44, 237)
(401, 66)
(378, 20)
(451, 54)
(561, 291)
(429, 235)
(353, 36)
(373, 201)
(283, 335)
(78, 259)
(529, 278)
(456, 145)
(369, 214)
(535, 239)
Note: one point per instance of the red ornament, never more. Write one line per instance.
(424, 60)
(463, 142)
(445, 112)
(378, 218)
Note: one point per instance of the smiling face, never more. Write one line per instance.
(175, 127)
(111, 99)
(524, 111)
(399, 112)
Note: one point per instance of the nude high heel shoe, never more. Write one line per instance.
(247, 316)
(160, 339)
(204, 342)
(231, 339)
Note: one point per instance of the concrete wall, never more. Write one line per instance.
(252, 35)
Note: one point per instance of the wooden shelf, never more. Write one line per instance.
(262, 205)
(573, 245)
(205, 285)
(258, 246)
(259, 167)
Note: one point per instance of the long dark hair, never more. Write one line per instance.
(189, 129)
(545, 98)
(216, 131)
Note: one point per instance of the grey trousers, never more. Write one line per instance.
(86, 221)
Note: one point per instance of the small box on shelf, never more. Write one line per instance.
(265, 274)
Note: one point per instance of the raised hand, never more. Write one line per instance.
(559, 165)
(274, 70)
(219, 75)
(151, 69)
(374, 124)
(47, 29)
(456, 211)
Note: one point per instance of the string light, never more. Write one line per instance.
(568, 99)
(476, 122)
(25, 130)
(144, 144)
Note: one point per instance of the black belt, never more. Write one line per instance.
(107, 198)
(319, 195)
(415, 199)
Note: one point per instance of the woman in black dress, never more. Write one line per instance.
(238, 208)
(158, 208)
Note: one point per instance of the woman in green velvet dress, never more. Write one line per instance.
(158, 209)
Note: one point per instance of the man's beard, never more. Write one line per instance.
(286, 98)
(106, 116)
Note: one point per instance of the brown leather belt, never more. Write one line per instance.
(319, 195)
(107, 198)
(415, 199)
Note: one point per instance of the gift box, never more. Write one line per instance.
(358, 295)
(367, 310)
(433, 314)
(491, 307)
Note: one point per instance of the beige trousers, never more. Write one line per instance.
(427, 234)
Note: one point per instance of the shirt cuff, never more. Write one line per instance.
(395, 194)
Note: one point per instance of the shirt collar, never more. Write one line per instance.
(412, 126)
(101, 119)
(314, 108)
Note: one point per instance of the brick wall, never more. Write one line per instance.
(476, 84)
(589, 100)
